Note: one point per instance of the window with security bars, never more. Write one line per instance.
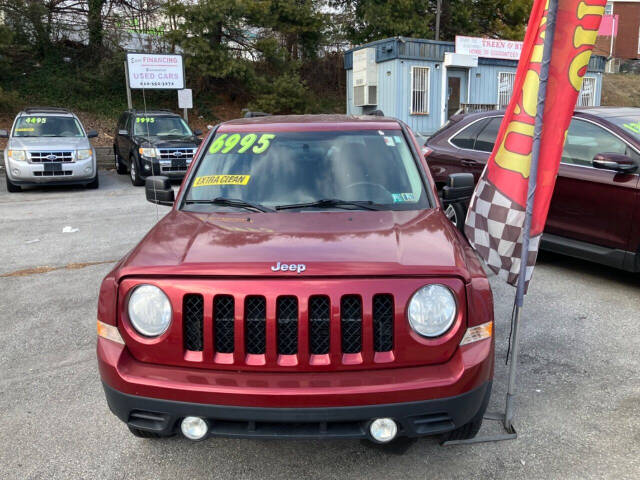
(587, 97)
(505, 88)
(419, 90)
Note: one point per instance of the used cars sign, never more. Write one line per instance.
(149, 71)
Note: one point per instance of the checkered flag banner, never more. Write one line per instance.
(509, 207)
(494, 227)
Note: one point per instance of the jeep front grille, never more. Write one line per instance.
(319, 322)
(192, 318)
(287, 317)
(351, 323)
(224, 315)
(289, 329)
(49, 157)
(383, 323)
(255, 328)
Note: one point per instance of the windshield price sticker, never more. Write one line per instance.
(25, 129)
(145, 120)
(227, 143)
(36, 120)
(634, 127)
(209, 180)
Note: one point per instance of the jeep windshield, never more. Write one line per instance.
(47, 126)
(295, 171)
(151, 126)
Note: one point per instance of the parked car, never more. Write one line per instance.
(157, 142)
(306, 283)
(595, 209)
(47, 146)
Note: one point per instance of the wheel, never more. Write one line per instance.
(143, 433)
(12, 187)
(136, 179)
(95, 183)
(120, 167)
(456, 213)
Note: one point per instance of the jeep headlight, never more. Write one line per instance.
(148, 152)
(432, 310)
(83, 154)
(18, 155)
(149, 310)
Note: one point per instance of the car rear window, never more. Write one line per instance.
(284, 168)
(467, 137)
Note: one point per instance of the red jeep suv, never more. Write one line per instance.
(306, 283)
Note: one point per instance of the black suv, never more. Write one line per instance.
(153, 142)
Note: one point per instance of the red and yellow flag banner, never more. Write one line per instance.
(496, 219)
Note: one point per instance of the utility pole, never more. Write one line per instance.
(438, 12)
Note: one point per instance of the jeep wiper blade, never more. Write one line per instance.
(332, 202)
(231, 202)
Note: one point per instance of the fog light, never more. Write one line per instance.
(147, 166)
(194, 428)
(88, 169)
(15, 171)
(383, 430)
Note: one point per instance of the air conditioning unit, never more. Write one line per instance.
(365, 77)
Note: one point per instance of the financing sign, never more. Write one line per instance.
(488, 47)
(159, 72)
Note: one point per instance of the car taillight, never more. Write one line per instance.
(426, 151)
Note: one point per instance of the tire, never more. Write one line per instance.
(121, 168)
(472, 427)
(95, 183)
(12, 187)
(143, 433)
(456, 213)
(136, 179)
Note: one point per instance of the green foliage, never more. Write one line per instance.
(280, 56)
(369, 20)
(284, 94)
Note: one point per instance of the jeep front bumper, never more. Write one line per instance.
(424, 400)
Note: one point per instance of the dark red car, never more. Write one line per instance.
(595, 210)
(306, 283)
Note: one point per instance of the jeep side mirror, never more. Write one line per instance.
(4, 134)
(158, 190)
(614, 161)
(92, 134)
(123, 131)
(197, 133)
(460, 188)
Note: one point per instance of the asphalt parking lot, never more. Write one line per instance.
(578, 409)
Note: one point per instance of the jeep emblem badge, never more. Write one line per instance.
(291, 267)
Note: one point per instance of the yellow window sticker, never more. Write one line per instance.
(36, 120)
(209, 180)
(145, 120)
(25, 129)
(226, 143)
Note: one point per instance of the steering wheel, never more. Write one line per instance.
(173, 131)
(387, 194)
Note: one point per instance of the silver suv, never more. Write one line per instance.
(49, 146)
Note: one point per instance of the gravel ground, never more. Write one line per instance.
(578, 408)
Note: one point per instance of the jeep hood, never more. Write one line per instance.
(353, 243)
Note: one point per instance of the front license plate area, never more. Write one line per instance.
(179, 163)
(53, 167)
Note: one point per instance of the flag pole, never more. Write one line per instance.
(526, 232)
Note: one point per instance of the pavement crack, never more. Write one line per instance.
(46, 268)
